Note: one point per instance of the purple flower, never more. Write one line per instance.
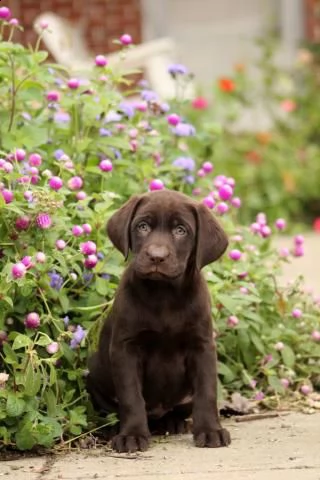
(44, 220)
(56, 280)
(127, 109)
(66, 320)
(105, 276)
(149, 96)
(103, 132)
(5, 13)
(58, 153)
(177, 69)
(189, 179)
(183, 130)
(77, 336)
(61, 117)
(87, 277)
(187, 163)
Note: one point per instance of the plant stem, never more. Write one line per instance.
(13, 93)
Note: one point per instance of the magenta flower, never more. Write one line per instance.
(316, 335)
(235, 254)
(207, 167)
(284, 252)
(299, 240)
(296, 313)
(14, 22)
(173, 119)
(77, 230)
(60, 244)
(55, 183)
(35, 160)
(7, 195)
(75, 183)
(87, 228)
(91, 261)
(32, 320)
(7, 167)
(53, 96)
(201, 173)
(259, 396)
(265, 231)
(101, 61)
(285, 382)
(305, 389)
(298, 251)
(18, 270)
(19, 154)
(27, 261)
(5, 13)
(222, 208)
(236, 202)
(225, 192)
(209, 201)
(126, 39)
(44, 221)
(156, 184)
(73, 83)
(280, 224)
(22, 223)
(81, 195)
(232, 321)
(88, 248)
(106, 165)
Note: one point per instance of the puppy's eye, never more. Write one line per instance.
(180, 230)
(143, 227)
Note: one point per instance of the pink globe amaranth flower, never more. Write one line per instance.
(88, 248)
(236, 202)
(222, 208)
(101, 61)
(75, 183)
(126, 39)
(40, 257)
(14, 22)
(305, 389)
(207, 167)
(219, 181)
(231, 181)
(53, 96)
(77, 230)
(265, 231)
(133, 133)
(28, 195)
(284, 252)
(73, 83)
(106, 165)
(81, 195)
(259, 396)
(253, 383)
(298, 240)
(280, 224)
(18, 270)
(32, 320)
(141, 106)
(44, 221)
(298, 251)
(35, 179)
(19, 154)
(201, 173)
(22, 223)
(200, 103)
(7, 195)
(196, 191)
(232, 321)
(91, 261)
(296, 313)
(279, 346)
(244, 290)
(134, 145)
(285, 382)
(237, 238)
(242, 275)
(156, 184)
(255, 227)
(53, 348)
(5, 13)
(316, 335)
(55, 183)
(60, 244)
(225, 192)
(173, 119)
(87, 228)
(209, 201)
(69, 165)
(7, 167)
(235, 254)
(44, 24)
(27, 261)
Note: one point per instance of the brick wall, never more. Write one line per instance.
(312, 19)
(105, 20)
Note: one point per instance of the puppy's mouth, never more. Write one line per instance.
(156, 273)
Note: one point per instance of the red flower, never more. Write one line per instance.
(316, 225)
(254, 157)
(226, 85)
(200, 103)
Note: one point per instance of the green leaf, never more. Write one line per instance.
(288, 356)
(53, 375)
(15, 405)
(21, 341)
(255, 339)
(101, 286)
(226, 372)
(43, 340)
(10, 356)
(64, 301)
(25, 437)
(32, 380)
(275, 383)
(228, 302)
(51, 402)
(114, 142)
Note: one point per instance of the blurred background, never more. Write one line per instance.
(211, 35)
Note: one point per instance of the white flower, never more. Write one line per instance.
(3, 378)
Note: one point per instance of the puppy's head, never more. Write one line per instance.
(167, 232)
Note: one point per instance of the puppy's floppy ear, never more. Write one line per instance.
(211, 239)
(118, 226)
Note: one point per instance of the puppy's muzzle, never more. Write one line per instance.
(157, 254)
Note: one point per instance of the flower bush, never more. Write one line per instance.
(278, 169)
(71, 152)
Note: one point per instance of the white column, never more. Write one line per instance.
(154, 19)
(292, 24)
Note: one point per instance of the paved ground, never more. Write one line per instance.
(280, 448)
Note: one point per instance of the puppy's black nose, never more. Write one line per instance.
(157, 254)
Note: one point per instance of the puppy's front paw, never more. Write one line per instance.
(130, 443)
(214, 439)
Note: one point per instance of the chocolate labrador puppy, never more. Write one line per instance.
(156, 360)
